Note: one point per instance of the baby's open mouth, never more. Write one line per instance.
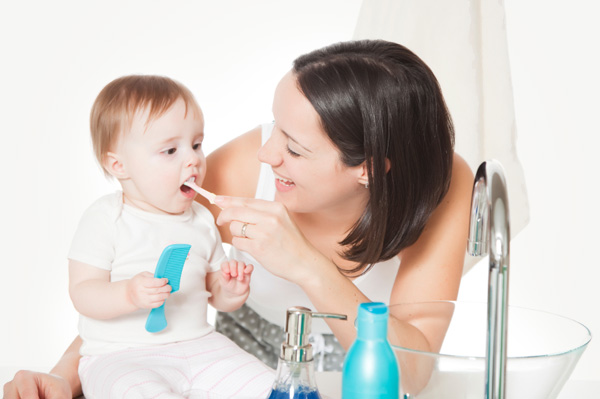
(185, 189)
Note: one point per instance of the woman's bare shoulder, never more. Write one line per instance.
(461, 172)
(459, 192)
(233, 169)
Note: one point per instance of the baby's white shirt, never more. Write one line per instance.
(126, 241)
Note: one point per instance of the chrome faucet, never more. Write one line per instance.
(489, 233)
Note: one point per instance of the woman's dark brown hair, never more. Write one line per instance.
(378, 101)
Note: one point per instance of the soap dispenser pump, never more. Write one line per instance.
(295, 369)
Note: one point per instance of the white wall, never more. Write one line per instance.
(57, 55)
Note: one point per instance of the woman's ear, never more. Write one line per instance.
(363, 178)
(113, 164)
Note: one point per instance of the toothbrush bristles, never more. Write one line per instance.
(206, 194)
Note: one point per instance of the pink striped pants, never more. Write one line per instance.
(211, 367)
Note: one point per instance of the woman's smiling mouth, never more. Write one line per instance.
(283, 184)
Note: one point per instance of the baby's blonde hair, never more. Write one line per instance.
(117, 103)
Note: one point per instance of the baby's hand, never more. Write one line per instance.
(147, 292)
(235, 277)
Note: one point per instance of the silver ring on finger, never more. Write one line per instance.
(243, 232)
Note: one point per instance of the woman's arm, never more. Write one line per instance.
(432, 268)
(61, 382)
(67, 366)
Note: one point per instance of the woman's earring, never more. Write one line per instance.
(366, 185)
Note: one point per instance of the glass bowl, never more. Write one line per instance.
(543, 349)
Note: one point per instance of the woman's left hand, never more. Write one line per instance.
(265, 230)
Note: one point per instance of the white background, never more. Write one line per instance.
(56, 56)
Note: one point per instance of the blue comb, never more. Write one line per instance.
(170, 265)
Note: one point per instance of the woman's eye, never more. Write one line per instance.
(197, 146)
(170, 151)
(292, 153)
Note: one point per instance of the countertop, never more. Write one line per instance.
(330, 384)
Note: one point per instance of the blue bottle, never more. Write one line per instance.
(370, 368)
(295, 370)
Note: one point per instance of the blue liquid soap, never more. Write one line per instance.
(303, 393)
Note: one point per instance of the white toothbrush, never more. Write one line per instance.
(206, 194)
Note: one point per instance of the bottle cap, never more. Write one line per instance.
(372, 320)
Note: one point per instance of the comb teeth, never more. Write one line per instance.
(176, 255)
(175, 266)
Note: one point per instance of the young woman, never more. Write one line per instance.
(359, 197)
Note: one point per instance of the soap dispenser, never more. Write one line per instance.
(295, 370)
(370, 368)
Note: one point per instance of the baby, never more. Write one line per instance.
(147, 132)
